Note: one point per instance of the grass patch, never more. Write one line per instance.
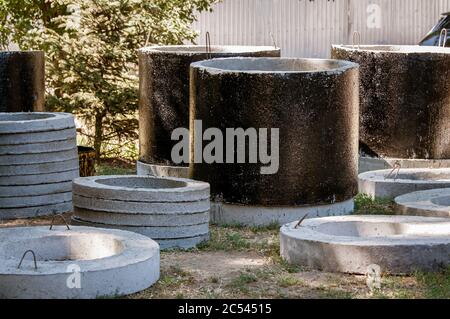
(289, 281)
(435, 285)
(365, 205)
(242, 281)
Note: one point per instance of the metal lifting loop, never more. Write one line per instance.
(62, 217)
(300, 221)
(356, 39)
(273, 39)
(34, 258)
(208, 46)
(443, 38)
(397, 167)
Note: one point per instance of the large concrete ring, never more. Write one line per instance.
(35, 190)
(430, 203)
(35, 122)
(355, 244)
(30, 201)
(39, 178)
(232, 214)
(367, 164)
(390, 184)
(78, 263)
(141, 188)
(144, 169)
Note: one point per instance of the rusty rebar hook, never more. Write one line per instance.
(397, 166)
(300, 221)
(62, 217)
(208, 45)
(23, 257)
(356, 36)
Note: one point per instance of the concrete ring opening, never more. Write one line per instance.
(442, 201)
(142, 183)
(273, 65)
(352, 244)
(202, 49)
(406, 49)
(36, 262)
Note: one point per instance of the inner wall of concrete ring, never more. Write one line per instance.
(164, 93)
(405, 96)
(22, 86)
(317, 116)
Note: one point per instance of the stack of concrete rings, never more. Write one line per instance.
(38, 161)
(172, 211)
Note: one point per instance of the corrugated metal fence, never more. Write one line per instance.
(308, 27)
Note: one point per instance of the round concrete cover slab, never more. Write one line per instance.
(34, 122)
(35, 211)
(390, 184)
(47, 147)
(30, 201)
(39, 137)
(144, 169)
(432, 203)
(39, 178)
(367, 164)
(156, 233)
(38, 158)
(78, 263)
(350, 244)
(35, 190)
(146, 219)
(42, 168)
(135, 207)
(141, 188)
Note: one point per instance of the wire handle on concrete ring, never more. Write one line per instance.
(208, 45)
(356, 39)
(23, 257)
(62, 217)
(397, 166)
(273, 40)
(300, 221)
(443, 41)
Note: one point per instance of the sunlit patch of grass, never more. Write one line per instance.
(365, 205)
(435, 285)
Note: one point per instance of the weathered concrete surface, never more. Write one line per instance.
(430, 203)
(39, 137)
(141, 188)
(378, 184)
(156, 220)
(111, 262)
(36, 148)
(43, 168)
(367, 164)
(156, 233)
(36, 211)
(405, 95)
(39, 178)
(229, 214)
(350, 244)
(164, 93)
(22, 85)
(30, 201)
(144, 169)
(314, 104)
(38, 158)
(35, 190)
(139, 207)
(34, 122)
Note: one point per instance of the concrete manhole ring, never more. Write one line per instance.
(34, 122)
(393, 183)
(79, 263)
(432, 203)
(351, 244)
(141, 188)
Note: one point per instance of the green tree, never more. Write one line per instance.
(90, 45)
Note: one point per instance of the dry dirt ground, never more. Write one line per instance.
(245, 263)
